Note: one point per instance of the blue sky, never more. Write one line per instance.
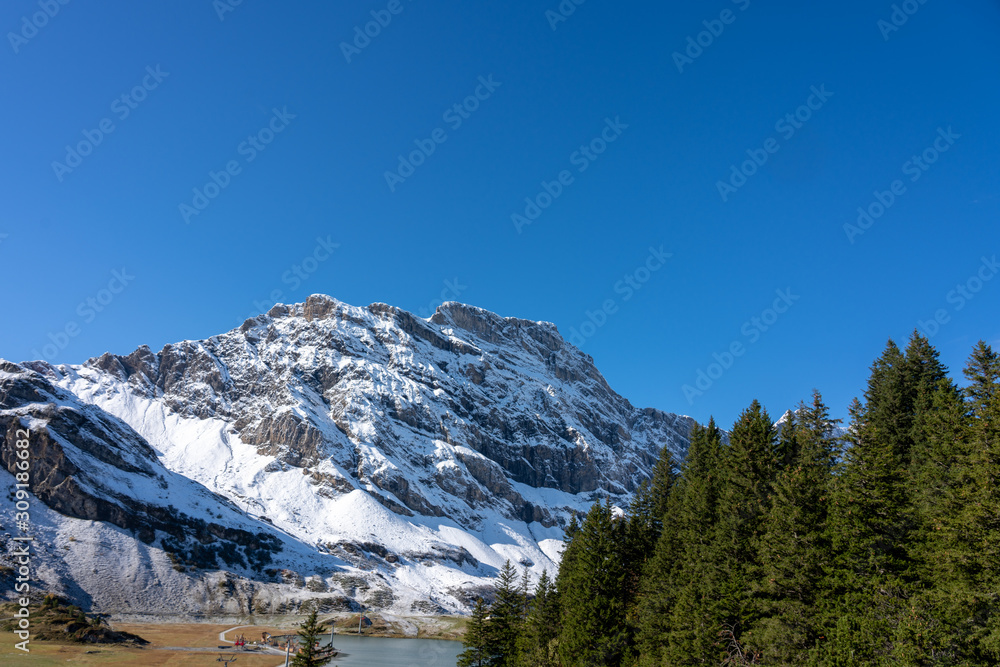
(611, 119)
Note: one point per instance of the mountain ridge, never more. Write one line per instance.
(428, 450)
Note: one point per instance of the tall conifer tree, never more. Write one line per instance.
(592, 594)
(786, 452)
(477, 641)
(934, 477)
(309, 635)
(744, 500)
(665, 475)
(794, 548)
(536, 647)
(647, 515)
(677, 613)
(506, 617)
(981, 519)
(871, 524)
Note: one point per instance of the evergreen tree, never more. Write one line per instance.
(309, 635)
(676, 622)
(536, 642)
(477, 641)
(506, 617)
(936, 475)
(664, 477)
(592, 594)
(981, 519)
(744, 500)
(936, 418)
(924, 374)
(794, 549)
(646, 518)
(641, 531)
(524, 591)
(870, 583)
(983, 373)
(784, 549)
(940, 480)
(571, 528)
(786, 452)
(643, 528)
(567, 563)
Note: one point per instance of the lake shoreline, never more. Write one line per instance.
(383, 625)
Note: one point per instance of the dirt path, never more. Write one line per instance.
(222, 635)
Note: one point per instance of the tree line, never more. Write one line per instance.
(797, 543)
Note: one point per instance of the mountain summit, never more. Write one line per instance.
(321, 454)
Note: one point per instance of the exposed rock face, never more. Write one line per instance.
(86, 464)
(55, 477)
(460, 422)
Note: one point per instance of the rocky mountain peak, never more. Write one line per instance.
(454, 424)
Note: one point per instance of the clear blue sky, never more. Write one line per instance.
(212, 83)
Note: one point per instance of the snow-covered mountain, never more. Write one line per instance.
(321, 454)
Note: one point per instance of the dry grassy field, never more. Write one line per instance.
(155, 654)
